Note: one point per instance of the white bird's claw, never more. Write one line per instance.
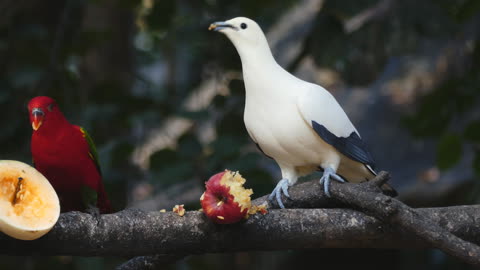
(325, 180)
(282, 186)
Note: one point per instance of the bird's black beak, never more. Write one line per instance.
(37, 118)
(219, 26)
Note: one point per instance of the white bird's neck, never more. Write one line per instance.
(255, 55)
(261, 57)
(260, 69)
(259, 64)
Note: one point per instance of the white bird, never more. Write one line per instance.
(298, 124)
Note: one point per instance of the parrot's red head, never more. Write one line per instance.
(42, 109)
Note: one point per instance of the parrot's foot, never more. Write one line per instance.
(282, 186)
(94, 211)
(325, 180)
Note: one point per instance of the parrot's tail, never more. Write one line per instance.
(103, 203)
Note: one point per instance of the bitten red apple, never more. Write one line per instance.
(225, 200)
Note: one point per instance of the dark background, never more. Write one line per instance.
(163, 100)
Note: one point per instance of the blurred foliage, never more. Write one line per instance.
(120, 68)
(360, 56)
(450, 112)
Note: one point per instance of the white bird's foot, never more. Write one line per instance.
(282, 186)
(325, 180)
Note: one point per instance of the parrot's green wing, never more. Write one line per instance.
(89, 195)
(92, 149)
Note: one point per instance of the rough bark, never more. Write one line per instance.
(137, 233)
(369, 198)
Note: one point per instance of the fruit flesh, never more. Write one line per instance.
(21, 200)
(28, 203)
(234, 182)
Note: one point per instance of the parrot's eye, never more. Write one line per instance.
(243, 26)
(50, 107)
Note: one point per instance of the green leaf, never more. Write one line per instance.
(449, 151)
(472, 131)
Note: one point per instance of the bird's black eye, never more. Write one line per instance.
(243, 26)
(50, 107)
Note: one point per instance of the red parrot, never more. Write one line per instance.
(66, 156)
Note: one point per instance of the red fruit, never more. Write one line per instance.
(225, 200)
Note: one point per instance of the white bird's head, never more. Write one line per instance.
(247, 37)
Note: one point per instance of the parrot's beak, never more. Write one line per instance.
(37, 116)
(218, 26)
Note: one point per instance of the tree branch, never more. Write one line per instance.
(369, 198)
(138, 233)
(304, 195)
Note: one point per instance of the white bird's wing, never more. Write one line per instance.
(325, 116)
(256, 143)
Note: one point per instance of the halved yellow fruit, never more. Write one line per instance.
(29, 206)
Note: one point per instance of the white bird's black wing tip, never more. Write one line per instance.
(352, 146)
(386, 188)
